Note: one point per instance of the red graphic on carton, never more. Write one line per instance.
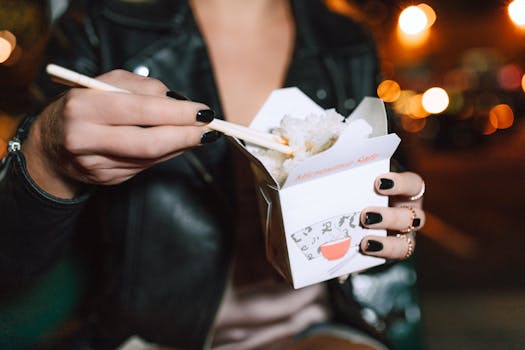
(329, 238)
(338, 167)
(336, 249)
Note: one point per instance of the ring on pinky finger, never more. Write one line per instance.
(420, 194)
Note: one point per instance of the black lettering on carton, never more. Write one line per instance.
(327, 227)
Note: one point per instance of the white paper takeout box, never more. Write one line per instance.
(311, 223)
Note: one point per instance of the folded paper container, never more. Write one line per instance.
(311, 222)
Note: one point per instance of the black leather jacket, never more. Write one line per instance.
(157, 248)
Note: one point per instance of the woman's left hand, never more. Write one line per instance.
(404, 216)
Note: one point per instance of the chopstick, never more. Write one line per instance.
(68, 77)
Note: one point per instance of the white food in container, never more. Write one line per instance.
(307, 136)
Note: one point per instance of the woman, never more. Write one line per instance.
(136, 185)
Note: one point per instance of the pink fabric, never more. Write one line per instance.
(265, 315)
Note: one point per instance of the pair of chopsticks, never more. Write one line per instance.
(259, 138)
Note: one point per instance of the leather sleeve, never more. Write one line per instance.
(34, 225)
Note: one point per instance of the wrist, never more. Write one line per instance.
(44, 169)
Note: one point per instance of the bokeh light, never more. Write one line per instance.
(413, 125)
(435, 100)
(3, 147)
(414, 40)
(414, 24)
(516, 10)
(523, 82)
(5, 50)
(413, 20)
(388, 90)
(415, 107)
(488, 129)
(402, 104)
(344, 7)
(509, 77)
(429, 13)
(501, 116)
(8, 125)
(7, 44)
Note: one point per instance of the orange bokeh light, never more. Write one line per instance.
(7, 44)
(429, 13)
(388, 90)
(3, 147)
(414, 22)
(413, 125)
(344, 7)
(402, 104)
(413, 40)
(8, 126)
(415, 107)
(501, 116)
(523, 82)
(488, 129)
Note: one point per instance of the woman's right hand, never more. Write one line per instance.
(98, 137)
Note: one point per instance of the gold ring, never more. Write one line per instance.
(410, 245)
(410, 228)
(419, 194)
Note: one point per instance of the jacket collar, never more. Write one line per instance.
(165, 14)
(145, 14)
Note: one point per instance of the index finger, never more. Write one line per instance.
(115, 108)
(133, 83)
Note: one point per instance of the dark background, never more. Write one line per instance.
(470, 254)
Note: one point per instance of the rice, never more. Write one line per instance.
(311, 135)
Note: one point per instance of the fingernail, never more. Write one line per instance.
(210, 136)
(176, 95)
(372, 218)
(416, 222)
(373, 246)
(205, 115)
(385, 184)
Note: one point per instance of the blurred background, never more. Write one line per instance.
(454, 72)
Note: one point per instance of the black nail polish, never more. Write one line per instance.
(385, 184)
(176, 95)
(416, 222)
(210, 136)
(373, 246)
(205, 115)
(372, 218)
